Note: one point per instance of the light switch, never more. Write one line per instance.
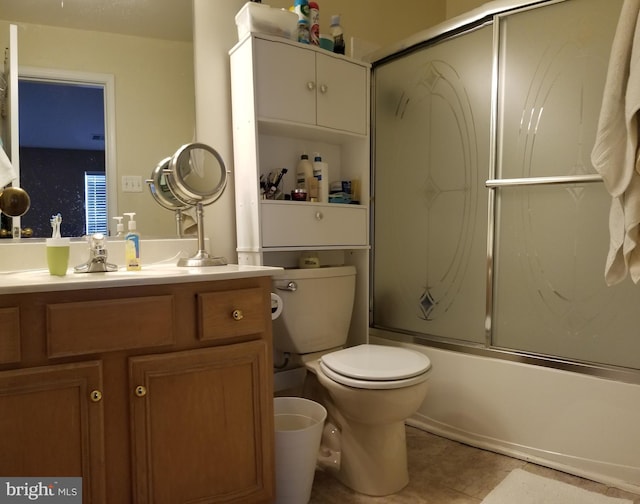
(131, 183)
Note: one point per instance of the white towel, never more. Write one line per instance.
(7, 171)
(615, 153)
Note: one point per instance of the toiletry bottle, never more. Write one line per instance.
(304, 171)
(320, 172)
(337, 34)
(314, 23)
(119, 227)
(132, 245)
(303, 32)
(301, 8)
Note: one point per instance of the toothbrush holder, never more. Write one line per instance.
(58, 255)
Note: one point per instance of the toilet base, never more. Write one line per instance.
(372, 443)
(374, 459)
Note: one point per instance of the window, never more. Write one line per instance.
(95, 191)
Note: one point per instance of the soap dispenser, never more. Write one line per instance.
(132, 245)
(119, 227)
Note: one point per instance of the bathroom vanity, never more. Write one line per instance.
(154, 386)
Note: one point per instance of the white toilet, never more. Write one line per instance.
(368, 390)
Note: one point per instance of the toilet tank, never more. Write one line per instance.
(317, 306)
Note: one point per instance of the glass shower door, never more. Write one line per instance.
(432, 110)
(550, 297)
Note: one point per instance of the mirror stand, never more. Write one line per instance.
(179, 221)
(202, 257)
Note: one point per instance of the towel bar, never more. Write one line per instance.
(531, 181)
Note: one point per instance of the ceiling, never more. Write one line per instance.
(164, 19)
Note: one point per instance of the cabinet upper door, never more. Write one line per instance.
(285, 82)
(341, 94)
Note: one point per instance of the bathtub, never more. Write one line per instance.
(580, 424)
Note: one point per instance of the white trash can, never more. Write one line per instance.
(298, 425)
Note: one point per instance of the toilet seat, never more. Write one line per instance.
(376, 367)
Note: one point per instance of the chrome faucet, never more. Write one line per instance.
(97, 257)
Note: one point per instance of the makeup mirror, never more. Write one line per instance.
(195, 176)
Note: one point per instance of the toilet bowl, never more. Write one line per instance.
(368, 390)
(368, 400)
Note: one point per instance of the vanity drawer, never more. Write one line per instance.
(290, 224)
(9, 335)
(89, 327)
(231, 314)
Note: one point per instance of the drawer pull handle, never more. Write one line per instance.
(141, 391)
(96, 396)
(237, 315)
(311, 85)
(323, 88)
(319, 216)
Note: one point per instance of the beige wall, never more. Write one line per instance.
(155, 109)
(457, 7)
(378, 21)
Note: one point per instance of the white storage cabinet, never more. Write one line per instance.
(289, 98)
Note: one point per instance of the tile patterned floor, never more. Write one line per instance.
(446, 472)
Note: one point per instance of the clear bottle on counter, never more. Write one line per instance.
(132, 245)
(337, 34)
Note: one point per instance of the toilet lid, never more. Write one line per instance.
(384, 366)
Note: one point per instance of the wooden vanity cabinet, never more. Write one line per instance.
(165, 405)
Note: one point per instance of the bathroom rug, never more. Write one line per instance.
(523, 487)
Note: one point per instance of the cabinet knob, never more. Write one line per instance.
(237, 315)
(96, 396)
(324, 88)
(319, 216)
(311, 85)
(141, 391)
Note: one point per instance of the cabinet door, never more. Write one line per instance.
(55, 425)
(341, 94)
(202, 426)
(285, 82)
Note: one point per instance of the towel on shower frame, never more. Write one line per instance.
(615, 153)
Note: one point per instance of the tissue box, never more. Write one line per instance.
(260, 18)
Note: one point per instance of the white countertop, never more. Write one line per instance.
(39, 280)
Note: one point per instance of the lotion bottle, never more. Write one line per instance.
(320, 172)
(304, 171)
(132, 245)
